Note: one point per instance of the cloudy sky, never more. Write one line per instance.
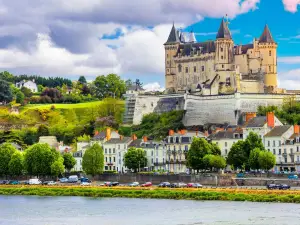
(94, 37)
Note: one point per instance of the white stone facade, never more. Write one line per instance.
(28, 84)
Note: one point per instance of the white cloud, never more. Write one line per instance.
(291, 5)
(289, 60)
(289, 79)
(153, 87)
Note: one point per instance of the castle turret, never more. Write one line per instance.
(268, 51)
(171, 47)
(182, 37)
(192, 38)
(224, 48)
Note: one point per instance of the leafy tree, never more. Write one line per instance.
(40, 88)
(16, 164)
(57, 167)
(93, 160)
(6, 152)
(39, 158)
(215, 150)
(253, 141)
(135, 158)
(199, 148)
(69, 161)
(7, 77)
(20, 97)
(82, 80)
(109, 86)
(217, 162)
(254, 159)
(43, 130)
(266, 160)
(5, 91)
(52, 93)
(237, 155)
(26, 91)
(30, 136)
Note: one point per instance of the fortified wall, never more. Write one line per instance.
(200, 110)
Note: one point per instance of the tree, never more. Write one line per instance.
(199, 148)
(254, 159)
(253, 141)
(20, 97)
(43, 130)
(111, 85)
(5, 91)
(6, 152)
(26, 91)
(237, 155)
(7, 76)
(40, 88)
(217, 162)
(215, 150)
(57, 167)
(82, 80)
(93, 160)
(38, 159)
(69, 161)
(16, 164)
(266, 160)
(135, 158)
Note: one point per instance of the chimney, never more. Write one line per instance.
(145, 139)
(250, 115)
(108, 133)
(206, 133)
(296, 129)
(271, 119)
(121, 137)
(134, 137)
(229, 129)
(197, 133)
(183, 132)
(171, 132)
(96, 132)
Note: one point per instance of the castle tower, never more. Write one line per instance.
(224, 48)
(268, 51)
(171, 47)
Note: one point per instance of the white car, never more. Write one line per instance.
(52, 183)
(85, 184)
(35, 182)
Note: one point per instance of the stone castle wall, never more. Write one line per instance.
(206, 109)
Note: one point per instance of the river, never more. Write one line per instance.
(32, 210)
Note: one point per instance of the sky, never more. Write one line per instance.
(98, 37)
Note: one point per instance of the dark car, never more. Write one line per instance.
(147, 184)
(272, 186)
(26, 182)
(4, 181)
(284, 187)
(175, 185)
(85, 180)
(164, 184)
(13, 182)
(112, 184)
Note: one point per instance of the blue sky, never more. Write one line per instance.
(92, 37)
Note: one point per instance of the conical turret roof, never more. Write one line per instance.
(223, 31)
(266, 36)
(173, 36)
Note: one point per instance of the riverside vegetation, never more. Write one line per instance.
(158, 193)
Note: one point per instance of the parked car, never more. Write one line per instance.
(147, 184)
(45, 182)
(134, 184)
(174, 185)
(284, 187)
(13, 182)
(26, 182)
(293, 177)
(107, 183)
(34, 182)
(197, 185)
(190, 185)
(51, 183)
(63, 180)
(182, 185)
(112, 184)
(272, 186)
(85, 184)
(4, 181)
(73, 179)
(164, 184)
(85, 180)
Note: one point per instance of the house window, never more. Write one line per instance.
(268, 143)
(114, 159)
(174, 148)
(225, 151)
(179, 68)
(114, 168)
(151, 153)
(285, 159)
(284, 151)
(225, 144)
(186, 69)
(114, 150)
(109, 151)
(195, 69)
(222, 57)
(106, 167)
(202, 68)
(279, 143)
(270, 53)
(152, 161)
(292, 151)
(274, 143)
(274, 151)
(297, 148)
(105, 151)
(298, 158)
(105, 159)
(269, 68)
(279, 152)
(222, 66)
(118, 146)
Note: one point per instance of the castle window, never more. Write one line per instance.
(186, 69)
(221, 49)
(269, 68)
(222, 66)
(179, 68)
(202, 68)
(167, 55)
(168, 70)
(168, 62)
(195, 69)
(222, 57)
(270, 53)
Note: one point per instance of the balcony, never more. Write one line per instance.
(109, 163)
(159, 164)
(175, 162)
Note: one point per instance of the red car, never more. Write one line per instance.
(147, 184)
(190, 185)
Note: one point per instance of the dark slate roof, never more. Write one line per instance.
(77, 154)
(206, 47)
(246, 47)
(258, 121)
(135, 87)
(278, 131)
(225, 135)
(223, 31)
(173, 36)
(136, 143)
(99, 136)
(118, 140)
(266, 36)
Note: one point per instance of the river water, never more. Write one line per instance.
(32, 210)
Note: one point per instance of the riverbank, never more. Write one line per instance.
(158, 193)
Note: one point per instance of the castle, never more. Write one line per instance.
(220, 66)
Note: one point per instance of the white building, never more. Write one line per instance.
(78, 157)
(28, 84)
